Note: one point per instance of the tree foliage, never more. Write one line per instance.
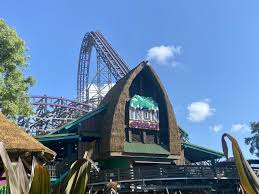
(14, 85)
(253, 141)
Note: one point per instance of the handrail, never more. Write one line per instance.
(167, 172)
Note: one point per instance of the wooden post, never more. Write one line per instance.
(130, 135)
(144, 136)
(118, 174)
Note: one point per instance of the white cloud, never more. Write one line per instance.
(199, 111)
(217, 128)
(240, 127)
(164, 55)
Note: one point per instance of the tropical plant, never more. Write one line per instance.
(17, 177)
(249, 180)
(253, 141)
(74, 182)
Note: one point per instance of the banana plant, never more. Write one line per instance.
(249, 180)
(40, 182)
(75, 182)
(77, 177)
(17, 178)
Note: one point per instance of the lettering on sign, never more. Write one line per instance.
(143, 113)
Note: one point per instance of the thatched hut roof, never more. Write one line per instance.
(17, 141)
(112, 132)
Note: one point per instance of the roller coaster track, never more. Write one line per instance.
(52, 112)
(114, 63)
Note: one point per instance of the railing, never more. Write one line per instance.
(152, 173)
(164, 173)
(58, 168)
(52, 171)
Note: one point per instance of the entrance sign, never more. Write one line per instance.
(143, 113)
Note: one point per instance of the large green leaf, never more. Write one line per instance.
(41, 181)
(77, 178)
(22, 176)
(11, 176)
(17, 178)
(248, 179)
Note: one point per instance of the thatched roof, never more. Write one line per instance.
(16, 140)
(113, 123)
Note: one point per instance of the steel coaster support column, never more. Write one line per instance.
(98, 78)
(110, 58)
(84, 94)
(83, 68)
(109, 77)
(87, 78)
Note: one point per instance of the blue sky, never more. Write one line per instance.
(206, 53)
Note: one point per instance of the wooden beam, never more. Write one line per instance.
(130, 135)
